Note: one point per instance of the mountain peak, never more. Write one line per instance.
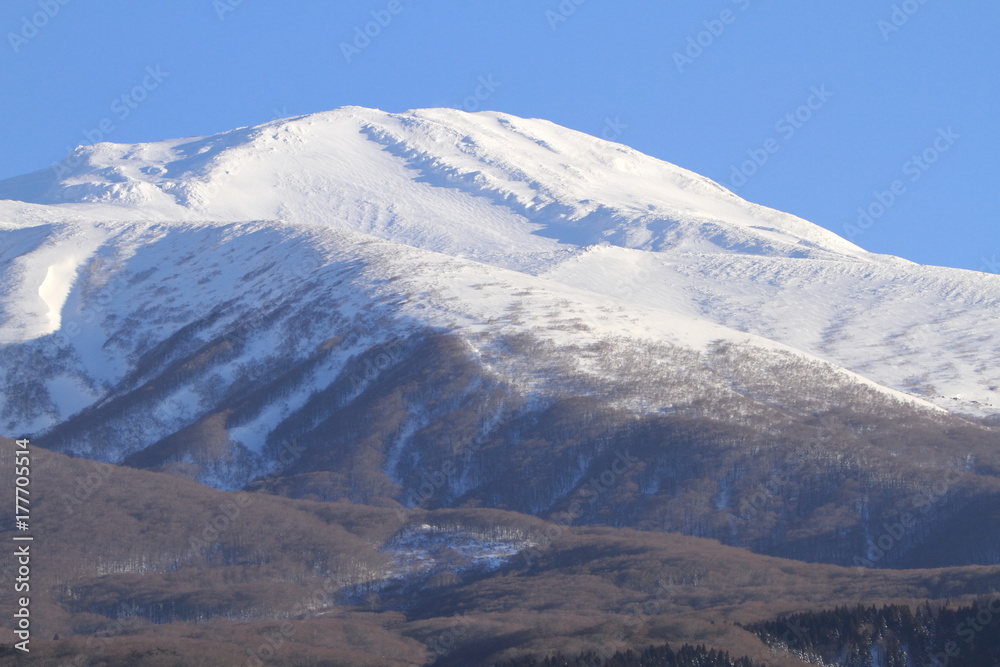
(477, 184)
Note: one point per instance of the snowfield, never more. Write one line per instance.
(355, 227)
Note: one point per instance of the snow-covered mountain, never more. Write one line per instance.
(534, 197)
(408, 295)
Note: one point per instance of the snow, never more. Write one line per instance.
(481, 224)
(487, 186)
(70, 394)
(425, 549)
(921, 330)
(40, 274)
(55, 288)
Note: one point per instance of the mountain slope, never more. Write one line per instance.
(225, 576)
(430, 179)
(446, 309)
(928, 331)
(529, 195)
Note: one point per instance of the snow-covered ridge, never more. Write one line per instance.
(930, 332)
(585, 190)
(431, 179)
(596, 236)
(290, 288)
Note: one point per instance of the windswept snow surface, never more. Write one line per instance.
(931, 332)
(519, 193)
(42, 264)
(480, 224)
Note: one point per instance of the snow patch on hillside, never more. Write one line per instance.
(39, 281)
(55, 288)
(426, 549)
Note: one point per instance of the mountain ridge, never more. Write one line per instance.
(376, 173)
(502, 307)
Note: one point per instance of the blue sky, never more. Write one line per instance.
(884, 108)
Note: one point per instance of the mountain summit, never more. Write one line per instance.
(485, 184)
(438, 308)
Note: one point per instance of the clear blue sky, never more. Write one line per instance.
(885, 80)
